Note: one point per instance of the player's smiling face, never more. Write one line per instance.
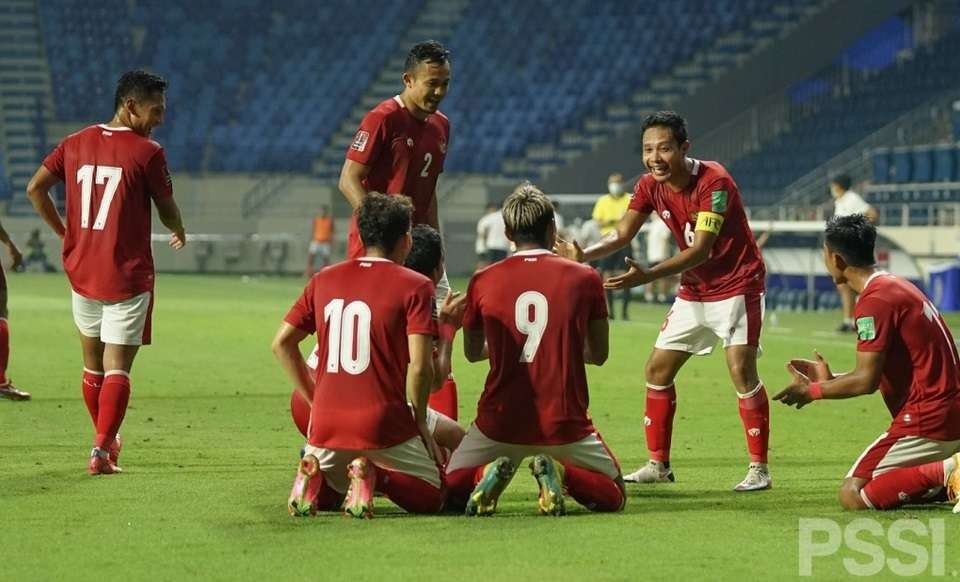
(662, 155)
(427, 85)
(144, 115)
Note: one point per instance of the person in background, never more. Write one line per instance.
(607, 212)
(36, 254)
(659, 248)
(491, 236)
(846, 202)
(321, 241)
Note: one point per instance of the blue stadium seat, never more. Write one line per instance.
(922, 164)
(944, 163)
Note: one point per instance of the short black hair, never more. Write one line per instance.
(429, 51)
(852, 237)
(383, 220)
(669, 119)
(426, 254)
(138, 84)
(842, 180)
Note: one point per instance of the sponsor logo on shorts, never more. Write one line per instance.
(360, 141)
(866, 330)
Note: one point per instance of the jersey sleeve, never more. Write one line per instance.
(642, 200)
(54, 162)
(369, 140)
(472, 317)
(876, 324)
(596, 299)
(420, 310)
(303, 314)
(712, 205)
(159, 182)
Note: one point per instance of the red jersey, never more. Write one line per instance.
(735, 266)
(362, 312)
(920, 382)
(111, 175)
(405, 156)
(534, 308)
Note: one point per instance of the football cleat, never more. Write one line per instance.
(100, 464)
(757, 479)
(114, 451)
(652, 472)
(306, 485)
(10, 392)
(953, 484)
(363, 481)
(549, 476)
(496, 477)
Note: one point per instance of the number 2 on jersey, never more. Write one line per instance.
(109, 175)
(531, 319)
(427, 160)
(347, 324)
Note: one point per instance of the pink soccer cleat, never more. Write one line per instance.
(307, 484)
(100, 464)
(10, 392)
(363, 481)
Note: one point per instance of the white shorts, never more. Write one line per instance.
(893, 452)
(321, 248)
(409, 457)
(478, 449)
(124, 323)
(695, 326)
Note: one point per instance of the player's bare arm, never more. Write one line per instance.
(685, 260)
(451, 313)
(38, 191)
(596, 349)
(169, 214)
(419, 381)
(351, 182)
(475, 345)
(864, 379)
(286, 348)
(15, 257)
(627, 228)
(433, 216)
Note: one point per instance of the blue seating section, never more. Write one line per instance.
(840, 123)
(6, 191)
(916, 164)
(254, 86)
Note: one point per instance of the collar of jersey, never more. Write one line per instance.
(532, 252)
(872, 277)
(375, 259)
(104, 126)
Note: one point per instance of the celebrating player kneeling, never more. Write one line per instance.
(538, 318)
(905, 349)
(721, 289)
(374, 321)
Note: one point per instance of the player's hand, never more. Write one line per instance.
(15, 257)
(433, 449)
(635, 275)
(178, 240)
(798, 393)
(817, 371)
(452, 308)
(568, 250)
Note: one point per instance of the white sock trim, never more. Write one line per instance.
(117, 373)
(94, 372)
(751, 393)
(657, 387)
(863, 496)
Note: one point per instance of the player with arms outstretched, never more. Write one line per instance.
(720, 295)
(904, 349)
(375, 324)
(7, 389)
(112, 173)
(539, 319)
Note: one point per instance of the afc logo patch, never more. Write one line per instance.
(360, 141)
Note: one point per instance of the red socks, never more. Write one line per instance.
(755, 414)
(907, 485)
(300, 411)
(412, 494)
(92, 382)
(593, 490)
(114, 395)
(4, 351)
(444, 400)
(658, 421)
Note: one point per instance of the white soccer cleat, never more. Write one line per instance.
(953, 484)
(757, 479)
(652, 472)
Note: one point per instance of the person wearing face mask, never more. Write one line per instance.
(607, 212)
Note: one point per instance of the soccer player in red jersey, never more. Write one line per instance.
(112, 172)
(7, 389)
(375, 322)
(721, 289)
(905, 350)
(539, 319)
(400, 148)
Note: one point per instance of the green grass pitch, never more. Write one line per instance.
(210, 453)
